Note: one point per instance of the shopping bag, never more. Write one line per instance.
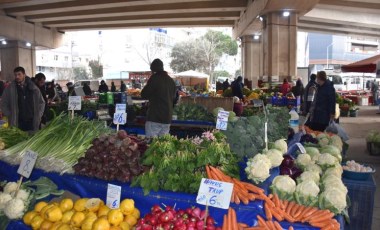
(337, 129)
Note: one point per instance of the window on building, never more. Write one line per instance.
(55, 57)
(66, 58)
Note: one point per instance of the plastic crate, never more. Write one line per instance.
(362, 196)
(279, 101)
(373, 148)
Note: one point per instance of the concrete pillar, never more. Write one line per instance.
(251, 51)
(280, 45)
(16, 53)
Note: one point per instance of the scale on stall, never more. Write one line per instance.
(103, 115)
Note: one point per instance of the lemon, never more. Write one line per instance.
(127, 206)
(101, 224)
(44, 209)
(28, 217)
(131, 220)
(39, 206)
(115, 217)
(91, 215)
(103, 210)
(80, 204)
(56, 225)
(115, 228)
(88, 222)
(125, 226)
(136, 213)
(66, 217)
(46, 225)
(64, 227)
(66, 205)
(53, 214)
(36, 222)
(93, 204)
(77, 219)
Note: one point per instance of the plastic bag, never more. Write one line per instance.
(337, 129)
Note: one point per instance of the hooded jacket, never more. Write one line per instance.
(9, 103)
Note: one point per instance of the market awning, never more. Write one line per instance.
(364, 66)
(192, 74)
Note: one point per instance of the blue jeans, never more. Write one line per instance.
(154, 129)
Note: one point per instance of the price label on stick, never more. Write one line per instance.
(302, 149)
(27, 163)
(215, 193)
(120, 108)
(113, 196)
(222, 120)
(75, 103)
(119, 118)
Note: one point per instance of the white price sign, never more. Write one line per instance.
(222, 120)
(215, 193)
(302, 149)
(119, 118)
(27, 163)
(120, 108)
(113, 196)
(75, 103)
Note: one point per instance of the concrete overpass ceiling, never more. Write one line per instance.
(96, 14)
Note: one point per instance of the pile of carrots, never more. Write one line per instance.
(274, 207)
(242, 191)
(310, 131)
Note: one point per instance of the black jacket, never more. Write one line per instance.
(160, 90)
(324, 104)
(237, 89)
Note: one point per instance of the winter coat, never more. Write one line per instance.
(160, 90)
(9, 104)
(324, 106)
(285, 88)
(237, 89)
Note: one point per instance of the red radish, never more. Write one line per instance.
(203, 214)
(210, 221)
(156, 209)
(189, 211)
(200, 224)
(210, 227)
(196, 212)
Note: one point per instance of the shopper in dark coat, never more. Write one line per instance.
(160, 90)
(237, 87)
(322, 110)
(226, 84)
(86, 89)
(298, 89)
(113, 87)
(103, 88)
(123, 87)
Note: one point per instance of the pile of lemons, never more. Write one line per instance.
(83, 214)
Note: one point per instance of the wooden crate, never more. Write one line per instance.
(210, 103)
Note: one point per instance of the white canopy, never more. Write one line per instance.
(191, 74)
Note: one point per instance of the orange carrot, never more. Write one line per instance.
(328, 227)
(276, 201)
(261, 221)
(256, 228)
(251, 196)
(294, 210)
(268, 213)
(270, 224)
(286, 203)
(208, 172)
(321, 224)
(232, 197)
(243, 225)
(317, 215)
(303, 212)
(234, 223)
(290, 206)
(308, 214)
(289, 218)
(237, 199)
(270, 196)
(276, 214)
(229, 220)
(299, 211)
(277, 225)
(282, 204)
(253, 188)
(322, 218)
(224, 227)
(266, 199)
(291, 228)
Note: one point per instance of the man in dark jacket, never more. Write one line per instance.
(322, 109)
(103, 88)
(160, 91)
(308, 96)
(237, 87)
(23, 103)
(86, 89)
(40, 80)
(123, 87)
(226, 84)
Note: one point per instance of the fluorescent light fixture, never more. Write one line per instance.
(3, 42)
(28, 44)
(256, 37)
(286, 13)
(261, 18)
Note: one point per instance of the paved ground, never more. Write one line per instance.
(357, 128)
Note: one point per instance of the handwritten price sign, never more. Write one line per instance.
(119, 118)
(27, 164)
(75, 103)
(215, 193)
(113, 196)
(222, 120)
(120, 108)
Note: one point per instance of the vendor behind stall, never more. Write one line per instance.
(160, 91)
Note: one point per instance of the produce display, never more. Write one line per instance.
(246, 135)
(373, 136)
(59, 145)
(168, 217)
(113, 156)
(11, 136)
(84, 213)
(356, 167)
(192, 112)
(179, 164)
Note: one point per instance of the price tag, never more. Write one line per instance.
(302, 149)
(129, 100)
(119, 118)
(222, 120)
(113, 196)
(75, 103)
(120, 108)
(215, 193)
(27, 163)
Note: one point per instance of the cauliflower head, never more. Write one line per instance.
(4, 198)
(10, 187)
(258, 171)
(333, 181)
(334, 200)
(284, 186)
(337, 171)
(307, 193)
(262, 158)
(281, 145)
(22, 194)
(303, 160)
(331, 149)
(14, 209)
(309, 175)
(314, 168)
(313, 152)
(326, 160)
(275, 157)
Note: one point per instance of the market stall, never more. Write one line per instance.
(193, 79)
